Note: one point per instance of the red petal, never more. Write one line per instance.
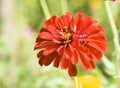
(92, 64)
(74, 58)
(70, 17)
(83, 49)
(71, 48)
(64, 63)
(40, 39)
(56, 41)
(95, 52)
(51, 20)
(98, 37)
(49, 58)
(92, 30)
(100, 28)
(43, 44)
(68, 53)
(89, 21)
(85, 23)
(49, 49)
(60, 50)
(74, 43)
(78, 17)
(56, 61)
(84, 62)
(40, 54)
(64, 20)
(51, 28)
(40, 60)
(67, 19)
(46, 60)
(100, 46)
(59, 23)
(72, 70)
(90, 57)
(78, 21)
(57, 36)
(45, 35)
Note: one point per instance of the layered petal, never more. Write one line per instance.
(72, 70)
(74, 58)
(45, 35)
(46, 60)
(43, 44)
(96, 53)
(50, 49)
(84, 62)
(64, 63)
(56, 61)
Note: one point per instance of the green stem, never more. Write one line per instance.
(45, 8)
(64, 6)
(76, 82)
(113, 26)
(116, 37)
(108, 64)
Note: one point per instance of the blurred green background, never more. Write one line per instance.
(20, 22)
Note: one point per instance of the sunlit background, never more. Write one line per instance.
(20, 22)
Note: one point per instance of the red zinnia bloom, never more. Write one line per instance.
(66, 39)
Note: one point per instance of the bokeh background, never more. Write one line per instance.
(20, 22)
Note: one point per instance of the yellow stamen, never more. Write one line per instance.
(66, 36)
(65, 28)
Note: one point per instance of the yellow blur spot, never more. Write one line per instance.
(31, 2)
(96, 3)
(89, 81)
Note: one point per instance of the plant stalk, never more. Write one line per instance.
(113, 26)
(76, 82)
(45, 8)
(116, 37)
(64, 6)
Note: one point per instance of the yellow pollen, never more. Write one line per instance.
(65, 28)
(66, 36)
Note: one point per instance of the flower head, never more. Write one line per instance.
(66, 39)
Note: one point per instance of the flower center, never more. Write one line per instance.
(66, 35)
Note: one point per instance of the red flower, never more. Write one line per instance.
(63, 40)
